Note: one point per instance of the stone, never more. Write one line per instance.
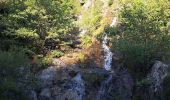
(158, 72)
(73, 89)
(45, 94)
(153, 90)
(47, 76)
(32, 95)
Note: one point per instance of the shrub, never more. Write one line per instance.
(56, 53)
(86, 41)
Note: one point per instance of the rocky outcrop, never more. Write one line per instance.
(158, 72)
(151, 88)
(119, 86)
(73, 89)
(56, 84)
(47, 77)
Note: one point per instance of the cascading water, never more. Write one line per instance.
(107, 65)
(107, 54)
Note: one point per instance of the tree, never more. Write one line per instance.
(36, 19)
(143, 34)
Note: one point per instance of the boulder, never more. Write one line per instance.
(47, 77)
(158, 72)
(151, 88)
(73, 89)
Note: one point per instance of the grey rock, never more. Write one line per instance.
(45, 94)
(118, 86)
(73, 89)
(158, 72)
(151, 89)
(47, 77)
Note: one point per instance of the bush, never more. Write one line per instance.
(56, 53)
(86, 41)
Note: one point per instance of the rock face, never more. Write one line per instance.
(47, 76)
(158, 72)
(151, 88)
(119, 86)
(62, 82)
(72, 90)
(54, 88)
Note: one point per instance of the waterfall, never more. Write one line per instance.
(107, 65)
(107, 54)
(104, 86)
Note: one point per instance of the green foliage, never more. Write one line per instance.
(45, 61)
(86, 41)
(29, 21)
(56, 53)
(26, 33)
(143, 32)
(90, 18)
(81, 57)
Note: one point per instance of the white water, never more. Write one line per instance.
(114, 20)
(107, 54)
(107, 65)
